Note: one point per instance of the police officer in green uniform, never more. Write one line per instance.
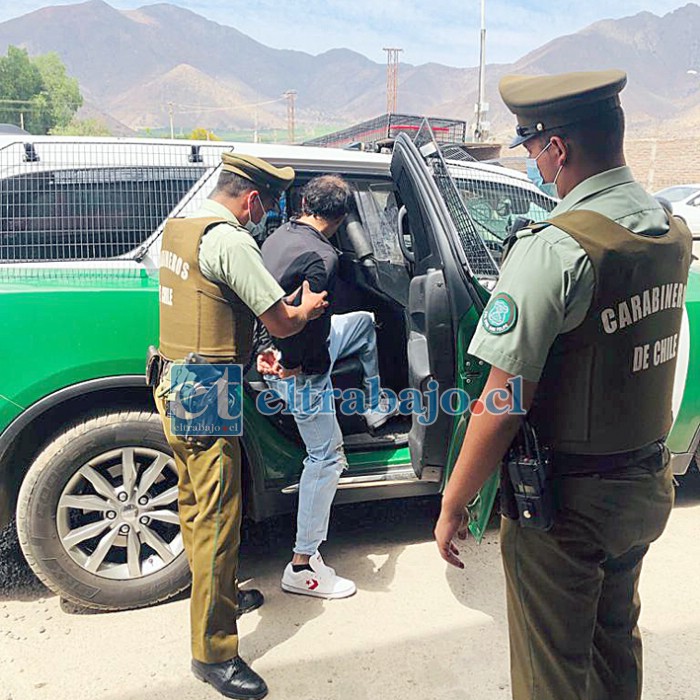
(212, 286)
(587, 311)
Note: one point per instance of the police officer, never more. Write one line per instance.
(588, 311)
(212, 286)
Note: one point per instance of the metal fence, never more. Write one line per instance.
(389, 126)
(91, 200)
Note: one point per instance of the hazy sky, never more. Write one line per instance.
(442, 31)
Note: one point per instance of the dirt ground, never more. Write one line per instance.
(415, 629)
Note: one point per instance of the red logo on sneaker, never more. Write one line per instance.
(312, 584)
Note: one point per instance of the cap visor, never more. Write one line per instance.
(520, 140)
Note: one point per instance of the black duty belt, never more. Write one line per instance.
(166, 364)
(566, 463)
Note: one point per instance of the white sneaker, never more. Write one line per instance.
(321, 582)
(375, 418)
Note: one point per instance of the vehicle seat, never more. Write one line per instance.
(347, 374)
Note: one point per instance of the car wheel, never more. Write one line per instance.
(97, 514)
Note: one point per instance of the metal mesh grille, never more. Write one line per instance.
(494, 198)
(457, 151)
(389, 126)
(63, 200)
(484, 199)
(480, 259)
(478, 256)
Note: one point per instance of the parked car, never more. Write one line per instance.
(83, 460)
(685, 201)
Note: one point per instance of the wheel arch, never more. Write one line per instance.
(26, 435)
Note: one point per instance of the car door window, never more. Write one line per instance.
(380, 214)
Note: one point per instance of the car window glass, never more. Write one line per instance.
(678, 194)
(87, 213)
(379, 212)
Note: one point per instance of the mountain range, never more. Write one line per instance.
(136, 67)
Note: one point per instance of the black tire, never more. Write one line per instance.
(40, 518)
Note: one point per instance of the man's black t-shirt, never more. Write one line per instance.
(293, 253)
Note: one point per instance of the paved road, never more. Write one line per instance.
(415, 630)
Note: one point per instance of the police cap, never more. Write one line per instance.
(269, 179)
(546, 102)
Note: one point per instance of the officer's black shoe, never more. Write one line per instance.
(233, 679)
(248, 601)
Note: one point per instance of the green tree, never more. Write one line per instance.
(20, 86)
(36, 92)
(202, 134)
(82, 127)
(63, 91)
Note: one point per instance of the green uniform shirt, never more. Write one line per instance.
(550, 279)
(231, 256)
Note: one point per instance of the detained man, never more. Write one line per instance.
(299, 370)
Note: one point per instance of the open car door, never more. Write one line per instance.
(446, 258)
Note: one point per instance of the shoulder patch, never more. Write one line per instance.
(500, 314)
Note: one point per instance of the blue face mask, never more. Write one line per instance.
(535, 176)
(257, 230)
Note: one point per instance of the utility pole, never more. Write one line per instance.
(481, 107)
(291, 96)
(171, 111)
(392, 79)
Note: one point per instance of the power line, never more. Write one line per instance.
(196, 109)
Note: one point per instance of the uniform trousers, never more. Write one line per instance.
(209, 501)
(572, 592)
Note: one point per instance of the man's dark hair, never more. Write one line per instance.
(232, 185)
(327, 197)
(600, 139)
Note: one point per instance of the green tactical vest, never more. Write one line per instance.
(197, 315)
(607, 384)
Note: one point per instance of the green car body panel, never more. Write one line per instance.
(682, 438)
(49, 346)
(69, 326)
(471, 377)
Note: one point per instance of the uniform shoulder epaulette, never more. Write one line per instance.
(539, 226)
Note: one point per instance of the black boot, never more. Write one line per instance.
(233, 679)
(248, 601)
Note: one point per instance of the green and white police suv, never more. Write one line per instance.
(84, 466)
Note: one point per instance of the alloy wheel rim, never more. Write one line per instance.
(117, 516)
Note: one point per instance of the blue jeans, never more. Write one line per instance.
(351, 334)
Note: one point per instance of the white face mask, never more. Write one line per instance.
(257, 230)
